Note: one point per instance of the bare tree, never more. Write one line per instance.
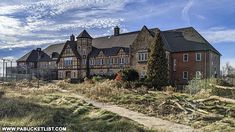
(228, 70)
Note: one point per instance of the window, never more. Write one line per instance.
(174, 65)
(198, 75)
(142, 74)
(185, 57)
(74, 74)
(84, 51)
(84, 61)
(91, 61)
(110, 61)
(198, 56)
(185, 75)
(115, 60)
(101, 61)
(121, 60)
(142, 56)
(68, 61)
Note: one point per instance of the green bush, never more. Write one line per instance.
(130, 75)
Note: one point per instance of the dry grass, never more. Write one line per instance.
(47, 106)
(160, 104)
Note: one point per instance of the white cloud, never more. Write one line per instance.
(42, 16)
(186, 9)
(219, 34)
(26, 43)
(93, 23)
(5, 10)
(10, 26)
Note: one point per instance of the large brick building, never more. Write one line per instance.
(189, 54)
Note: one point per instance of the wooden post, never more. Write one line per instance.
(6, 71)
(3, 64)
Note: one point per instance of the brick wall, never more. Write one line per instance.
(191, 66)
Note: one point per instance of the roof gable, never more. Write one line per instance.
(34, 56)
(186, 39)
(73, 46)
(84, 34)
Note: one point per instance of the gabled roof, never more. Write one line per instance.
(186, 39)
(73, 46)
(54, 48)
(84, 34)
(33, 55)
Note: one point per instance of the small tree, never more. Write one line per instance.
(157, 72)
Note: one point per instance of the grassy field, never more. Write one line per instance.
(48, 107)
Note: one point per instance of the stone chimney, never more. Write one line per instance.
(72, 38)
(116, 31)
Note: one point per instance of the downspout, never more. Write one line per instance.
(205, 65)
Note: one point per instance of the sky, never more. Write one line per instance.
(28, 24)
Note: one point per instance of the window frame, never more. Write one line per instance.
(174, 65)
(185, 54)
(185, 78)
(200, 56)
(143, 56)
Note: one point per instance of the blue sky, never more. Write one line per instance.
(28, 24)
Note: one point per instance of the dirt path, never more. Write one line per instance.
(149, 122)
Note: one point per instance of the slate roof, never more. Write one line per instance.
(177, 40)
(54, 48)
(84, 34)
(107, 51)
(186, 39)
(32, 56)
(122, 40)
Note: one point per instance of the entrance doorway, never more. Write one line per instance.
(68, 74)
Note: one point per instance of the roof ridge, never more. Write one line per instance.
(179, 28)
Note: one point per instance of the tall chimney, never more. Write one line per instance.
(116, 31)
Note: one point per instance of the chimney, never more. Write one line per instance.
(116, 31)
(38, 49)
(72, 38)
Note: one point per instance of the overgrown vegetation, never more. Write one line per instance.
(183, 108)
(199, 106)
(157, 72)
(43, 107)
(203, 88)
